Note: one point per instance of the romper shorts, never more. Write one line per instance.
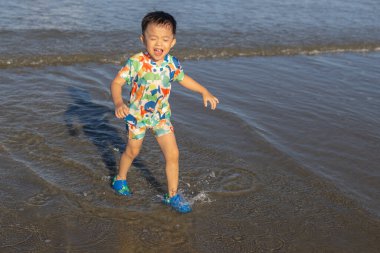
(163, 127)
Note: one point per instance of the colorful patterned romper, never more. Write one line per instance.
(149, 100)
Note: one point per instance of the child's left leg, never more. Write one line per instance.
(168, 145)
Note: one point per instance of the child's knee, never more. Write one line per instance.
(132, 153)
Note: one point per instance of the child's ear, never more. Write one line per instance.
(142, 38)
(173, 42)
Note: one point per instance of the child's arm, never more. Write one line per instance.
(193, 85)
(121, 109)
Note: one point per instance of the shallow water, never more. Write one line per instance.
(288, 162)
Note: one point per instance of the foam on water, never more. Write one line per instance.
(118, 58)
(201, 197)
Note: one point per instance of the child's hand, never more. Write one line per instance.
(193, 85)
(208, 97)
(121, 111)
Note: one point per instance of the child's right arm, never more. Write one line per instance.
(121, 109)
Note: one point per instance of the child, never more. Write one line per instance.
(150, 74)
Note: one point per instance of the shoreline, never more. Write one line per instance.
(55, 60)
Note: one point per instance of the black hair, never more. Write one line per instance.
(159, 18)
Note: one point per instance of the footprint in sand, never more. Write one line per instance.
(237, 181)
(39, 199)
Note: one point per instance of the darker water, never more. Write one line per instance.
(288, 162)
(68, 32)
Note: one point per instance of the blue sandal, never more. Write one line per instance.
(121, 187)
(177, 202)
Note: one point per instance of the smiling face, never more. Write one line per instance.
(158, 40)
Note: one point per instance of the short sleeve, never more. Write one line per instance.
(128, 72)
(179, 74)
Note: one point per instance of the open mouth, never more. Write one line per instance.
(158, 51)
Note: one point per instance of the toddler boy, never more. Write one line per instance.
(150, 74)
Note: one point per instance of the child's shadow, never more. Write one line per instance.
(92, 121)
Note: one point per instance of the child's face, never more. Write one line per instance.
(158, 40)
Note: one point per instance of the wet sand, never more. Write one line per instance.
(283, 215)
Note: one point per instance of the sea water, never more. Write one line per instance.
(288, 161)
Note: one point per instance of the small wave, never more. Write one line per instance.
(51, 60)
(10, 61)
